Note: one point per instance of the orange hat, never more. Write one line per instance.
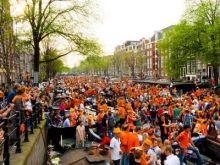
(148, 142)
(117, 131)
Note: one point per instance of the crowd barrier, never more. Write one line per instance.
(11, 126)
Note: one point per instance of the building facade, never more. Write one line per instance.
(13, 64)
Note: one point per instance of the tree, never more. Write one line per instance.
(196, 37)
(117, 63)
(6, 41)
(106, 63)
(141, 61)
(99, 65)
(178, 46)
(130, 61)
(51, 68)
(206, 20)
(59, 18)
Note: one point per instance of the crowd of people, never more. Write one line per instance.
(139, 122)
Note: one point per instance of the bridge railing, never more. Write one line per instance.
(11, 132)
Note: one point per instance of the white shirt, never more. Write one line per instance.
(172, 160)
(152, 153)
(140, 137)
(115, 148)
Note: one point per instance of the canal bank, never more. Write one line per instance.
(34, 151)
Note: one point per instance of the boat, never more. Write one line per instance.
(213, 148)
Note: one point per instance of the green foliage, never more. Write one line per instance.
(197, 36)
(6, 40)
(66, 20)
(50, 69)
(95, 65)
(178, 46)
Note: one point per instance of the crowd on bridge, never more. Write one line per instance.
(140, 122)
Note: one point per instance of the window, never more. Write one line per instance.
(150, 62)
(193, 67)
(188, 68)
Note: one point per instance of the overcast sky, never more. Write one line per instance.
(132, 20)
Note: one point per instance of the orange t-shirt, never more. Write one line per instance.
(16, 97)
(133, 141)
(124, 141)
(105, 107)
(204, 129)
(121, 112)
(184, 139)
(144, 159)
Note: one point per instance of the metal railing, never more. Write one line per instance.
(12, 133)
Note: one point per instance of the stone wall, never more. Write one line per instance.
(38, 154)
(34, 151)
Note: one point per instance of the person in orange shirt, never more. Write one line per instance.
(124, 145)
(204, 128)
(151, 135)
(122, 114)
(185, 142)
(105, 107)
(133, 140)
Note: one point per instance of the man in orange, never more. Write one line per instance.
(124, 145)
(185, 142)
(133, 140)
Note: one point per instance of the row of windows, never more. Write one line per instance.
(161, 74)
(134, 47)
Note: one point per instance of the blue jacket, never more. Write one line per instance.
(11, 95)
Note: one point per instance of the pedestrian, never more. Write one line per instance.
(151, 155)
(111, 124)
(80, 135)
(185, 142)
(171, 159)
(124, 144)
(115, 149)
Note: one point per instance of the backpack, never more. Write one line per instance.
(111, 122)
(187, 120)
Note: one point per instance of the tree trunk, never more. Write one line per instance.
(216, 74)
(48, 70)
(132, 72)
(36, 61)
(8, 78)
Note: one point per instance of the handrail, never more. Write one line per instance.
(12, 116)
(9, 134)
(1, 124)
(19, 117)
(8, 118)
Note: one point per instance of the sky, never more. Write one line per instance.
(123, 20)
